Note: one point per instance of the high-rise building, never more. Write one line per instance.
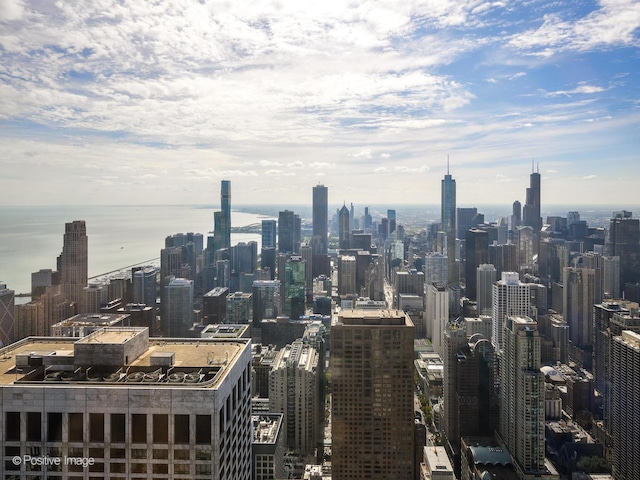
(485, 276)
(294, 282)
(269, 231)
(624, 242)
(239, 308)
(625, 367)
(7, 320)
(225, 206)
(294, 384)
(319, 242)
(266, 300)
(436, 268)
(580, 293)
(448, 218)
(288, 232)
(180, 409)
(516, 215)
(73, 262)
(522, 396)
(511, 297)
(531, 210)
(343, 227)
(372, 416)
(477, 253)
(177, 308)
(524, 241)
(436, 313)
(94, 296)
(145, 286)
(347, 275)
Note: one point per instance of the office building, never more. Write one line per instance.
(625, 369)
(42, 279)
(347, 275)
(266, 300)
(436, 268)
(476, 253)
(485, 277)
(73, 262)
(294, 383)
(239, 308)
(531, 211)
(511, 297)
(525, 245)
(214, 306)
(580, 293)
(522, 396)
(516, 215)
(319, 241)
(624, 242)
(293, 276)
(448, 217)
(436, 313)
(7, 320)
(177, 308)
(145, 286)
(136, 407)
(288, 232)
(611, 277)
(268, 446)
(467, 218)
(94, 296)
(269, 233)
(223, 228)
(343, 228)
(372, 380)
(436, 465)
(85, 324)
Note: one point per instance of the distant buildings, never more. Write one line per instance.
(73, 262)
(7, 303)
(531, 211)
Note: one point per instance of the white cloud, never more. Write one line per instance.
(590, 177)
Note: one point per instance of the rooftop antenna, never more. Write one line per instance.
(538, 167)
(532, 167)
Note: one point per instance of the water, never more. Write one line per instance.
(118, 236)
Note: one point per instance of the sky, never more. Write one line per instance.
(155, 102)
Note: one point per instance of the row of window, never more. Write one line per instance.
(137, 432)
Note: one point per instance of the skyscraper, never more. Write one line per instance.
(73, 262)
(437, 313)
(531, 210)
(343, 227)
(222, 219)
(177, 308)
(511, 297)
(477, 253)
(145, 285)
(288, 232)
(580, 293)
(269, 231)
(485, 276)
(625, 366)
(372, 372)
(448, 219)
(7, 303)
(319, 241)
(624, 242)
(522, 396)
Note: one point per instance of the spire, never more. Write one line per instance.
(447, 164)
(533, 170)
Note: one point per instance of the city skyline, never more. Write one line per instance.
(152, 104)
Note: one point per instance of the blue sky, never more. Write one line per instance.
(155, 102)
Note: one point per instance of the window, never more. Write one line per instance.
(96, 427)
(181, 429)
(139, 428)
(203, 429)
(117, 427)
(34, 422)
(76, 427)
(54, 427)
(160, 428)
(12, 426)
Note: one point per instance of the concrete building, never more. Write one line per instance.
(625, 369)
(94, 296)
(436, 465)
(268, 446)
(294, 383)
(580, 293)
(372, 416)
(522, 395)
(347, 275)
(436, 313)
(73, 262)
(177, 308)
(128, 405)
(85, 324)
(511, 297)
(214, 305)
(486, 275)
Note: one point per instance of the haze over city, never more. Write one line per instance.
(156, 103)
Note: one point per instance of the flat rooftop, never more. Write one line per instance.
(45, 360)
(384, 317)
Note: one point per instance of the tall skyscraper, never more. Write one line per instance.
(624, 242)
(477, 253)
(319, 241)
(531, 211)
(448, 219)
(269, 231)
(288, 232)
(625, 368)
(485, 277)
(222, 219)
(511, 297)
(522, 396)
(372, 417)
(343, 227)
(437, 313)
(145, 285)
(7, 304)
(516, 215)
(580, 293)
(73, 262)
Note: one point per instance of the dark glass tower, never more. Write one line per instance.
(448, 220)
(343, 227)
(288, 232)
(531, 211)
(320, 220)
(225, 205)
